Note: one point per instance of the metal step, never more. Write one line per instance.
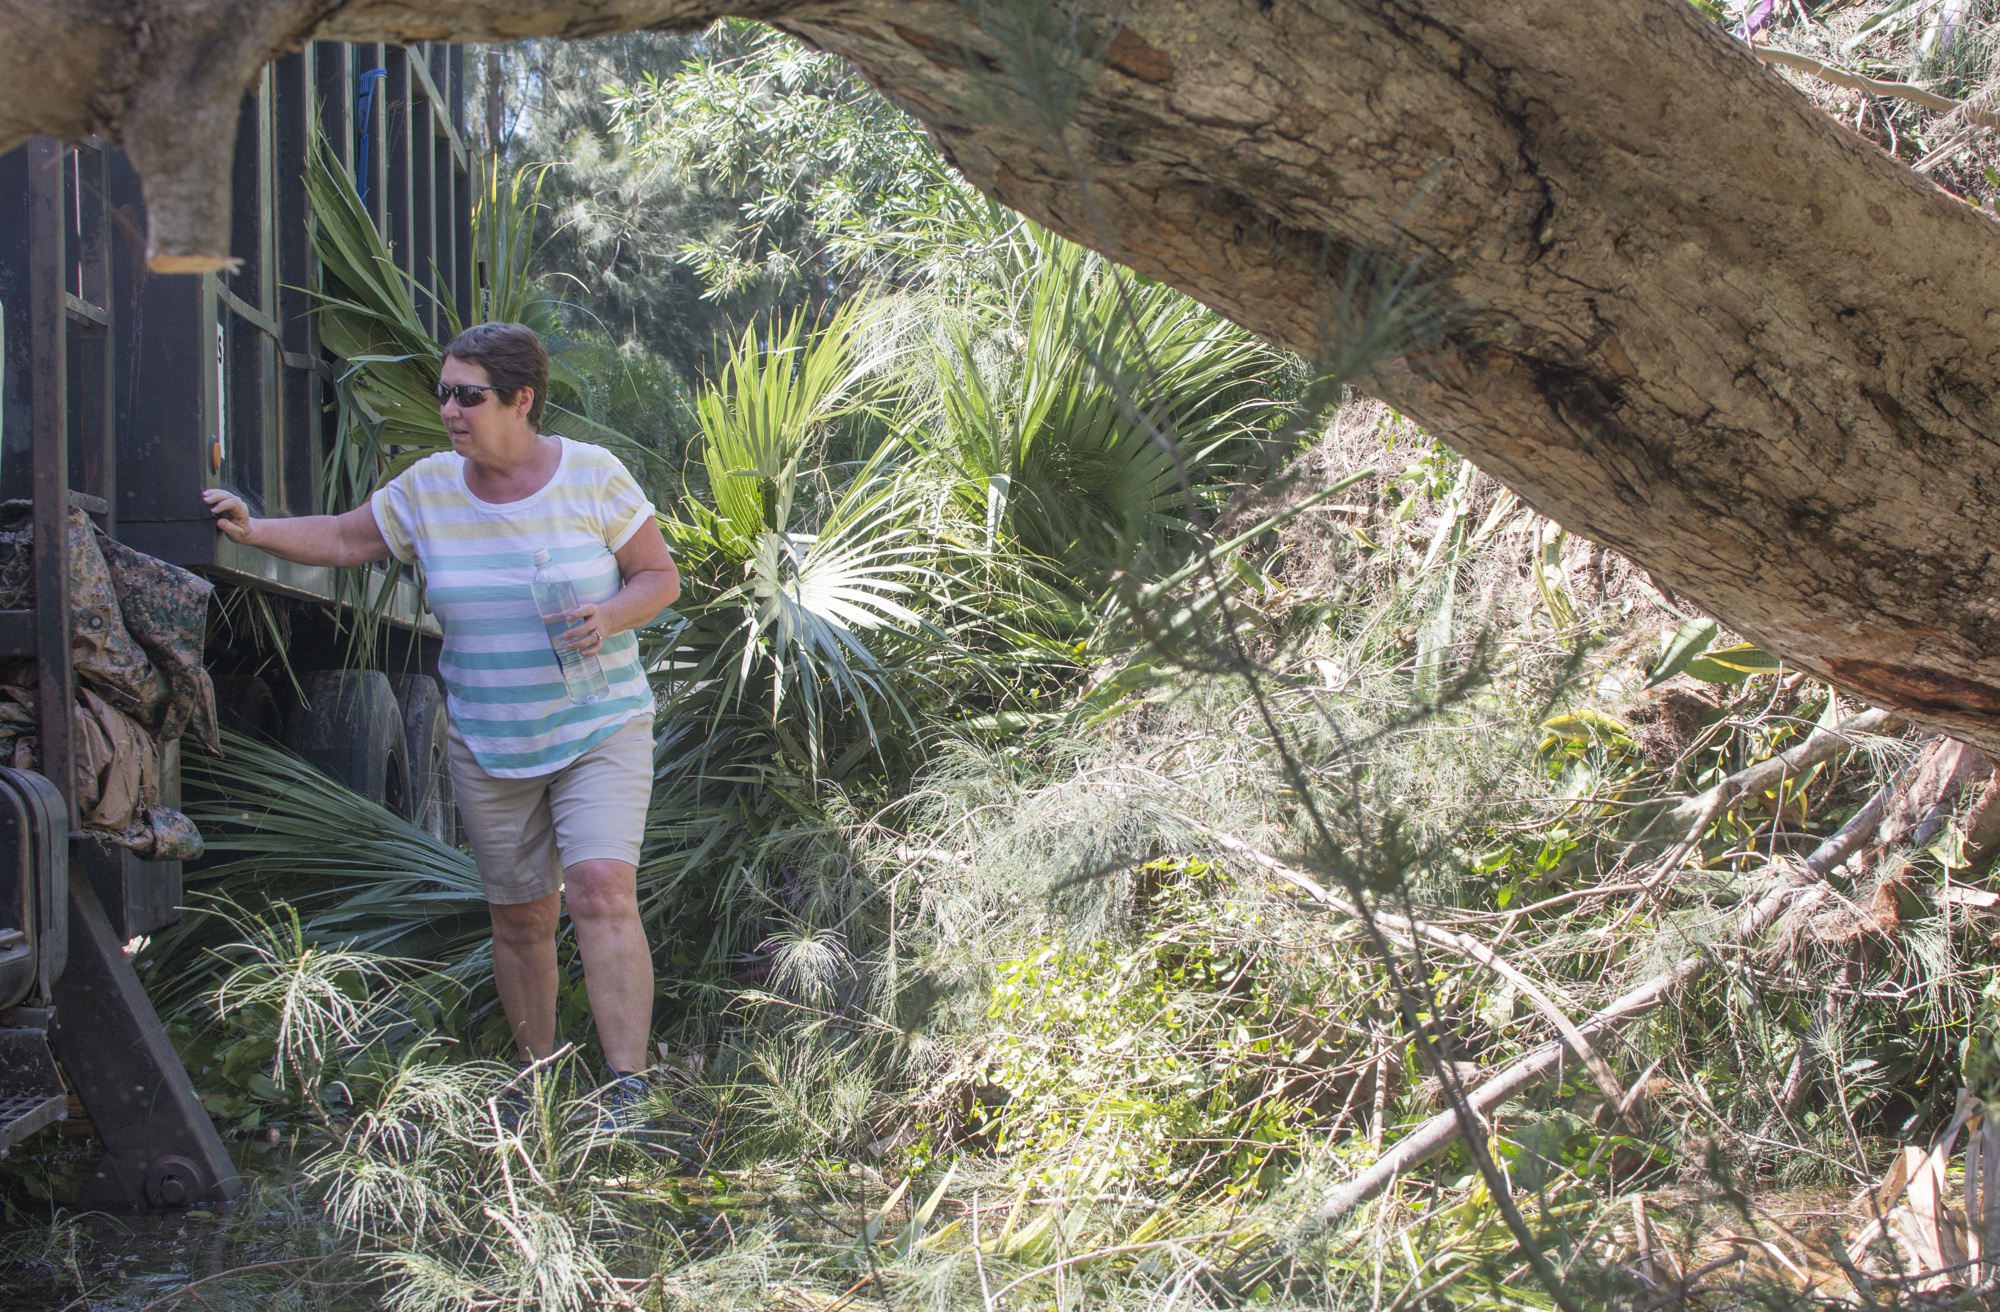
(31, 1092)
(21, 1117)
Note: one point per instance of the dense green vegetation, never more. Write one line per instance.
(1116, 783)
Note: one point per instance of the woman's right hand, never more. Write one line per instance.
(232, 517)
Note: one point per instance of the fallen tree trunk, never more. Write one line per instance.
(1687, 315)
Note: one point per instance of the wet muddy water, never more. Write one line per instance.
(67, 1260)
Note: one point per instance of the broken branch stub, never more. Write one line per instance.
(163, 79)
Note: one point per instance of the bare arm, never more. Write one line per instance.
(651, 585)
(350, 539)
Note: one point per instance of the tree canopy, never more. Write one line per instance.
(1633, 273)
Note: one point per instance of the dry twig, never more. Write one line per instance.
(1842, 77)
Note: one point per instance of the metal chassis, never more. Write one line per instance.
(160, 1146)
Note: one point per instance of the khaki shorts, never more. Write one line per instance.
(525, 832)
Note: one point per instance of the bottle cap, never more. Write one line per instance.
(541, 557)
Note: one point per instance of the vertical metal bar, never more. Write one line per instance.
(454, 94)
(423, 203)
(267, 191)
(397, 126)
(270, 406)
(292, 112)
(445, 190)
(464, 270)
(101, 413)
(330, 86)
(377, 128)
(48, 393)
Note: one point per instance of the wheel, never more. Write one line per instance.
(436, 813)
(350, 727)
(246, 704)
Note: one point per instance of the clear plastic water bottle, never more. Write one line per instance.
(555, 598)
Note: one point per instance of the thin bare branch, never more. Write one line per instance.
(1842, 77)
(1442, 1130)
(1820, 746)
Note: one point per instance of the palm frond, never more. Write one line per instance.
(814, 619)
(505, 243)
(1096, 411)
(775, 395)
(368, 317)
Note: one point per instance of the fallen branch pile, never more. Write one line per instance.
(1914, 799)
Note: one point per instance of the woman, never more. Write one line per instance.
(552, 793)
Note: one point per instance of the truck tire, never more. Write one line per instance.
(246, 704)
(350, 727)
(424, 729)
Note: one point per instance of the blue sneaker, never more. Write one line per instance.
(514, 1104)
(627, 1104)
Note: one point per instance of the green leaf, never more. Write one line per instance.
(1709, 671)
(1732, 664)
(1746, 658)
(1587, 727)
(1685, 646)
(1708, 10)
(1949, 849)
(246, 1056)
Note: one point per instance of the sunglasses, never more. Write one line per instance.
(467, 395)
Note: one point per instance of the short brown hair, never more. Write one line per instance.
(513, 358)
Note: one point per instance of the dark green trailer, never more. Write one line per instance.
(125, 393)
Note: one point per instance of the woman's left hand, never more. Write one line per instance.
(587, 630)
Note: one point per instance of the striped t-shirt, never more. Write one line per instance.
(503, 686)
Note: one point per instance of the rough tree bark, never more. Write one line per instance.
(1693, 318)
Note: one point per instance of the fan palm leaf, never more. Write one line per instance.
(813, 619)
(773, 397)
(1093, 411)
(807, 582)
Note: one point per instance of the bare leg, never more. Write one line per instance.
(617, 964)
(524, 971)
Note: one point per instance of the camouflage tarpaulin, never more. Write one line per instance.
(166, 609)
(137, 625)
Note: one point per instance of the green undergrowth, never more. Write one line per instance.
(1026, 1026)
